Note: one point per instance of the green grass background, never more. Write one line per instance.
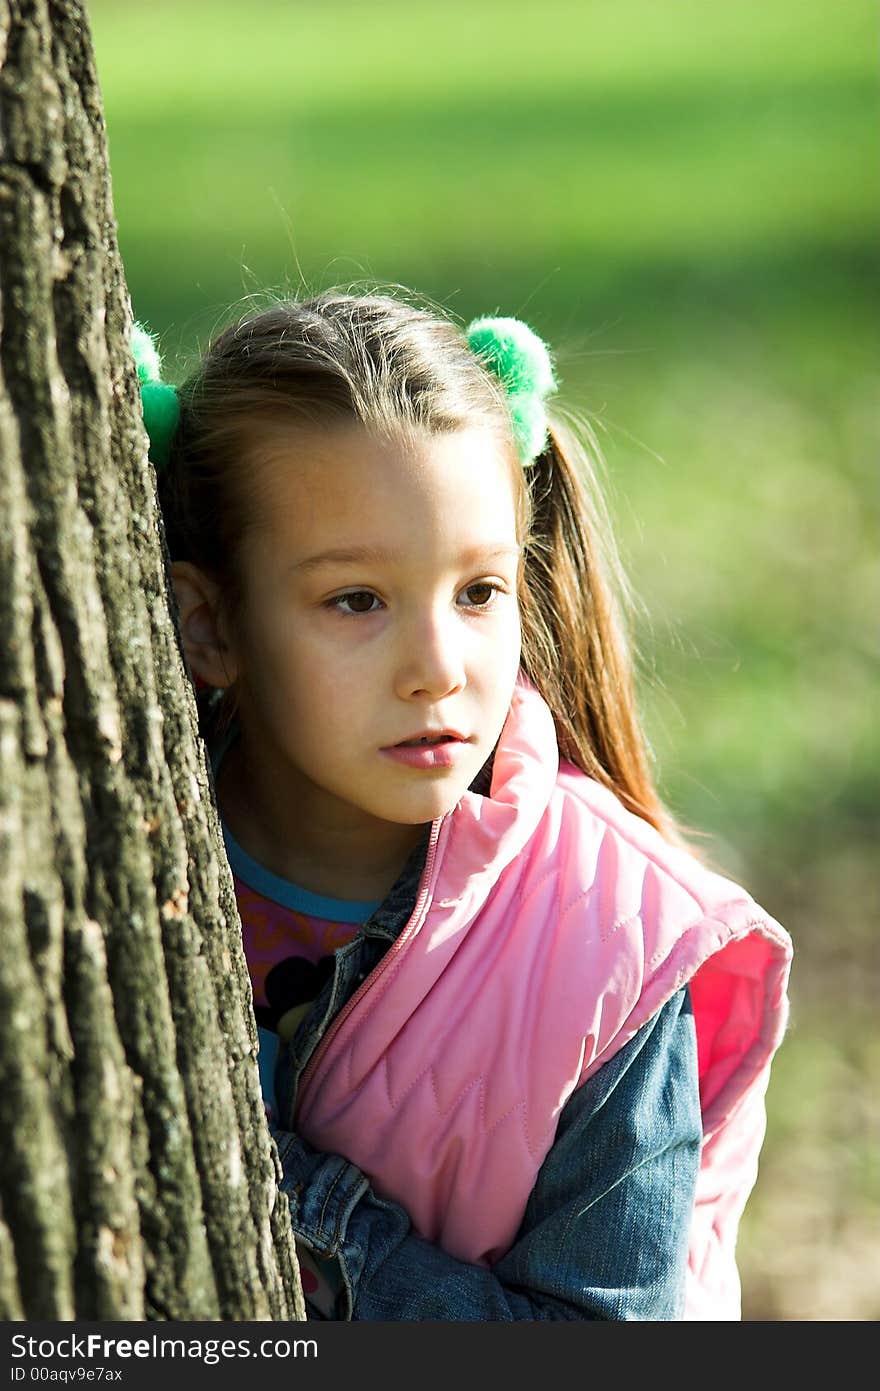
(683, 199)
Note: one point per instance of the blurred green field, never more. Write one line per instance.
(684, 200)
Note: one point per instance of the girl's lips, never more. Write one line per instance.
(426, 755)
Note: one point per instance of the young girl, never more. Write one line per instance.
(515, 1038)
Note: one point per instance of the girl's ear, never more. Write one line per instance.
(202, 627)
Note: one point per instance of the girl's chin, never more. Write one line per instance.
(418, 809)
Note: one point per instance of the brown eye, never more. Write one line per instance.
(356, 601)
(361, 601)
(482, 594)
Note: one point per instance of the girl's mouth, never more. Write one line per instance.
(435, 751)
(426, 740)
(432, 737)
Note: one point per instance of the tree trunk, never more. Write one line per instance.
(137, 1176)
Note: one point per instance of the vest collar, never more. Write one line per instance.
(484, 834)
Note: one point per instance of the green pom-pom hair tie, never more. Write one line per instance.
(160, 402)
(508, 348)
(520, 360)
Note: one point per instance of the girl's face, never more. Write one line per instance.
(380, 605)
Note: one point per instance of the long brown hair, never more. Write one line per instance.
(575, 649)
(398, 366)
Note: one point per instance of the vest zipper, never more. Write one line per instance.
(393, 950)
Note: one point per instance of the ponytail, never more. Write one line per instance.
(574, 648)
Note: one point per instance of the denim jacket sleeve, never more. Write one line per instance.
(605, 1231)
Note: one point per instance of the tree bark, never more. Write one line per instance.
(137, 1175)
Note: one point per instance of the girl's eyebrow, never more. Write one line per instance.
(378, 555)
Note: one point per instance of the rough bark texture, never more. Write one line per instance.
(137, 1177)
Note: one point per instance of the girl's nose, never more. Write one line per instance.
(431, 661)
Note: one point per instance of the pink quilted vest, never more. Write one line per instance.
(550, 924)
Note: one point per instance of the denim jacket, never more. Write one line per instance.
(605, 1231)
